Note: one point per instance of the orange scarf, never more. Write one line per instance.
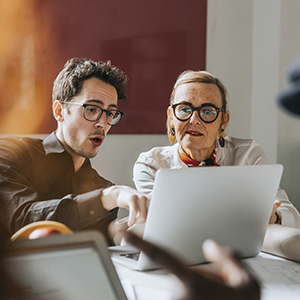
(210, 162)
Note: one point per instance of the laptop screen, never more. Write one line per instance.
(64, 271)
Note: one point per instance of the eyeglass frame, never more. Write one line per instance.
(218, 110)
(84, 105)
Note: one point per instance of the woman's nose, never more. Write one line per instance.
(195, 118)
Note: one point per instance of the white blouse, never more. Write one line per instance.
(235, 152)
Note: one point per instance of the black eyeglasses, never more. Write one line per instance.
(208, 113)
(93, 113)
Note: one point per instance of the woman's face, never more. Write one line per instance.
(196, 137)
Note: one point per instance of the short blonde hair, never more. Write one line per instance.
(190, 76)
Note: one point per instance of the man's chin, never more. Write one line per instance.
(91, 154)
(88, 153)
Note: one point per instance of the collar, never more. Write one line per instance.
(52, 144)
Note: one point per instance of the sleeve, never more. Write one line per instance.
(21, 203)
(144, 174)
(289, 213)
(77, 212)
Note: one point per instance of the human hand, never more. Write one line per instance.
(43, 232)
(273, 217)
(123, 196)
(231, 281)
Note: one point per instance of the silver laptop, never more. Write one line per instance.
(64, 267)
(231, 205)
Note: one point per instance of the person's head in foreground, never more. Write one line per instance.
(289, 99)
(197, 115)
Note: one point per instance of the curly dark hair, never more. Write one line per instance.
(69, 81)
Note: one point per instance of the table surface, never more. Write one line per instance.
(280, 279)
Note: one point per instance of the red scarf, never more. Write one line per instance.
(210, 162)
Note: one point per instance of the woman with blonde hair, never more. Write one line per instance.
(197, 119)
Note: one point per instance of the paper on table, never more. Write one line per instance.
(283, 241)
(280, 278)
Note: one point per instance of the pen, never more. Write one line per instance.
(122, 221)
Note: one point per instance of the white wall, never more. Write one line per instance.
(229, 57)
(119, 152)
(242, 50)
(249, 45)
(289, 125)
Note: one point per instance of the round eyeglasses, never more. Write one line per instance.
(93, 113)
(208, 113)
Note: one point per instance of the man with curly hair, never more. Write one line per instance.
(52, 179)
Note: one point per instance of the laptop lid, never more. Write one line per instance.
(75, 266)
(230, 204)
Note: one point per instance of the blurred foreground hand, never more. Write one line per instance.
(231, 280)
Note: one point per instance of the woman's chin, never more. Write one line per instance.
(192, 145)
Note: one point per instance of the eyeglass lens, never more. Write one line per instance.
(206, 113)
(93, 113)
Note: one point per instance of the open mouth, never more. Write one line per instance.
(96, 141)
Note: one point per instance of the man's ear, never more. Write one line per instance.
(57, 109)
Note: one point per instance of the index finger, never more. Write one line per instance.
(232, 269)
(143, 210)
(138, 209)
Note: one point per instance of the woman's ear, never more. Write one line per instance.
(225, 120)
(170, 115)
(57, 110)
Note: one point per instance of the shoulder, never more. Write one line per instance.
(241, 152)
(234, 143)
(16, 145)
(158, 155)
(19, 141)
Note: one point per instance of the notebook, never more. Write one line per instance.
(230, 204)
(64, 267)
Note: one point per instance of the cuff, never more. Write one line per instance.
(90, 208)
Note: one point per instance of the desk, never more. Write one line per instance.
(280, 280)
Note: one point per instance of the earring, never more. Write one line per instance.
(221, 137)
(172, 137)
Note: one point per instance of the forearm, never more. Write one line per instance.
(76, 212)
(134, 201)
(289, 213)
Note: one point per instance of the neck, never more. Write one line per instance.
(77, 159)
(78, 162)
(199, 155)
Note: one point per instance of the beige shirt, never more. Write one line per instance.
(235, 152)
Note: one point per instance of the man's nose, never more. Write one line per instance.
(101, 122)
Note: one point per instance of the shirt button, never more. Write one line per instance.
(92, 212)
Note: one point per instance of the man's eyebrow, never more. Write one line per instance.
(99, 102)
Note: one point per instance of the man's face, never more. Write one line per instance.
(82, 138)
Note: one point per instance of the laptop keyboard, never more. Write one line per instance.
(133, 255)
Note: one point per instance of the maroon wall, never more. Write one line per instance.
(153, 41)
